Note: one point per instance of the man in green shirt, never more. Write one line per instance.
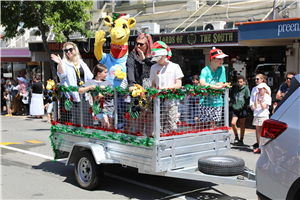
(241, 96)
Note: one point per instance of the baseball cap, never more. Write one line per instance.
(216, 53)
(160, 49)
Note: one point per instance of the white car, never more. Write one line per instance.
(278, 168)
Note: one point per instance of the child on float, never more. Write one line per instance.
(213, 75)
(194, 101)
(166, 75)
(261, 110)
(100, 74)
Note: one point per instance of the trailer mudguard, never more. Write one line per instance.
(98, 151)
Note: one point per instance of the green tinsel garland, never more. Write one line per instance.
(102, 135)
(164, 93)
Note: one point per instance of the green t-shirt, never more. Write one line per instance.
(241, 98)
(212, 78)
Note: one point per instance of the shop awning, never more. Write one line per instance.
(269, 32)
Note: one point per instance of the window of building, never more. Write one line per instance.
(6, 69)
(124, 2)
(19, 69)
(191, 29)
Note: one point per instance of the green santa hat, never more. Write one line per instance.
(160, 49)
(120, 15)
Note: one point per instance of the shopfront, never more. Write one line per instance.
(267, 36)
(190, 50)
(15, 62)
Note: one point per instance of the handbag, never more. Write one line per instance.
(18, 96)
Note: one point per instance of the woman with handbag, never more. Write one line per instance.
(37, 104)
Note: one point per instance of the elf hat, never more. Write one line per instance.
(120, 15)
(160, 49)
(216, 53)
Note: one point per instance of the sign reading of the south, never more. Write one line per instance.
(199, 38)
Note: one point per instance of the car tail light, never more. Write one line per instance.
(271, 129)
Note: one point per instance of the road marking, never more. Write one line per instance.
(172, 194)
(34, 141)
(27, 152)
(8, 143)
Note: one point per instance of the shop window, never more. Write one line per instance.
(6, 69)
(32, 68)
(124, 2)
(191, 29)
(19, 69)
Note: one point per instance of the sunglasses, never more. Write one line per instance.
(66, 50)
(289, 78)
(257, 79)
(140, 44)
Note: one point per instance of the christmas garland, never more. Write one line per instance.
(100, 134)
(171, 94)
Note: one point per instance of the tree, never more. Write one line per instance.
(63, 18)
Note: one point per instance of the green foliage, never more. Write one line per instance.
(64, 17)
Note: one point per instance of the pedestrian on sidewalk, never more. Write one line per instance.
(24, 100)
(15, 92)
(37, 103)
(283, 89)
(8, 98)
(259, 78)
(261, 110)
(241, 96)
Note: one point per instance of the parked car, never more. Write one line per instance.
(278, 168)
(265, 68)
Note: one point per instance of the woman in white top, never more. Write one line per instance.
(73, 71)
(261, 109)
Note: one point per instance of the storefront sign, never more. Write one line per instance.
(202, 38)
(291, 27)
(55, 46)
(15, 59)
(199, 38)
(271, 29)
(7, 75)
(15, 52)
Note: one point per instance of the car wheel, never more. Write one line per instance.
(88, 174)
(221, 165)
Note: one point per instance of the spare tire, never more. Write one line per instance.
(221, 165)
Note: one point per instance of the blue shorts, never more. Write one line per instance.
(101, 115)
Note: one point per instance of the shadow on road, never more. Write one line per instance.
(60, 169)
(133, 185)
(245, 148)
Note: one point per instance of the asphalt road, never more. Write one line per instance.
(28, 171)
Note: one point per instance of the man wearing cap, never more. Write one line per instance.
(213, 76)
(166, 75)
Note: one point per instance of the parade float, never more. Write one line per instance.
(195, 150)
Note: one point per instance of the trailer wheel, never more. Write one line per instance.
(88, 174)
(221, 165)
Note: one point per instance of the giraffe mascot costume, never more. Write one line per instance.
(115, 61)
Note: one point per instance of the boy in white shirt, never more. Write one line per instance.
(166, 75)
